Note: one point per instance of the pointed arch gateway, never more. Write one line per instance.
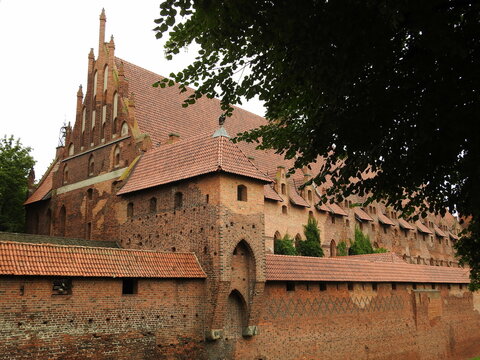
(236, 316)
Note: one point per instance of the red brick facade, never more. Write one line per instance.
(228, 219)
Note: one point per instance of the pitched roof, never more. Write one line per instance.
(438, 231)
(336, 209)
(302, 268)
(59, 260)
(270, 193)
(422, 228)
(383, 257)
(58, 240)
(42, 190)
(384, 219)
(405, 224)
(295, 197)
(361, 214)
(188, 158)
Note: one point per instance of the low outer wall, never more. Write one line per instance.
(163, 320)
(404, 323)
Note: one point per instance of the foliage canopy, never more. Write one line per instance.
(284, 246)
(15, 165)
(311, 246)
(403, 74)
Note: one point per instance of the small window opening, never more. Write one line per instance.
(414, 286)
(374, 286)
(332, 217)
(284, 210)
(65, 174)
(90, 194)
(129, 286)
(241, 193)
(283, 189)
(116, 156)
(207, 198)
(91, 165)
(434, 286)
(71, 150)
(130, 210)
(178, 201)
(290, 286)
(89, 231)
(309, 195)
(350, 286)
(153, 205)
(124, 130)
(62, 287)
(323, 286)
(394, 286)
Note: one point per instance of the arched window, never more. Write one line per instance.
(91, 165)
(241, 193)
(333, 248)
(298, 239)
(284, 210)
(277, 236)
(114, 127)
(116, 156)
(95, 78)
(283, 188)
(92, 132)
(115, 105)
(71, 149)
(130, 210)
(105, 78)
(124, 130)
(63, 218)
(178, 201)
(65, 174)
(102, 133)
(310, 214)
(153, 205)
(104, 121)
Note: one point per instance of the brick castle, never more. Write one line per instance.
(152, 238)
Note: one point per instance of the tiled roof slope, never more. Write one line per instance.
(295, 197)
(301, 268)
(57, 240)
(57, 260)
(383, 257)
(270, 193)
(159, 112)
(188, 158)
(42, 190)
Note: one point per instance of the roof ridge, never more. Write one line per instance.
(92, 247)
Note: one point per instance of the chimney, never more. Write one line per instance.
(173, 138)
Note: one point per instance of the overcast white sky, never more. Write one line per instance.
(44, 48)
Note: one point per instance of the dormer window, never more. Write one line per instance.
(241, 193)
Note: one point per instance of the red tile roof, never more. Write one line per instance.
(188, 158)
(385, 219)
(295, 197)
(438, 231)
(383, 257)
(423, 228)
(59, 260)
(405, 224)
(453, 236)
(301, 268)
(270, 193)
(42, 190)
(336, 209)
(361, 214)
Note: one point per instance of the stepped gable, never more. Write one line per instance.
(59, 260)
(302, 268)
(188, 158)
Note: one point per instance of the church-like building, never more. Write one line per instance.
(158, 243)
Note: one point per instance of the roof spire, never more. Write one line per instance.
(101, 35)
(221, 131)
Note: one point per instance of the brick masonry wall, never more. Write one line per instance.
(364, 324)
(165, 319)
